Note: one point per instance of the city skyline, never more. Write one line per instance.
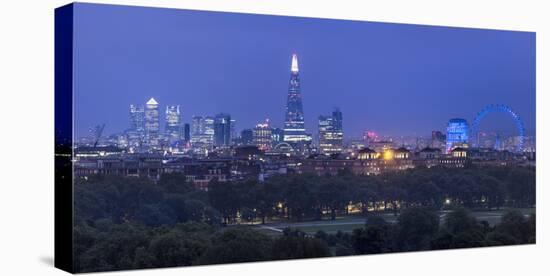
(377, 83)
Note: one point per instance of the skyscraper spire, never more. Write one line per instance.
(294, 126)
(294, 66)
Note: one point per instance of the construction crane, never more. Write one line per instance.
(96, 132)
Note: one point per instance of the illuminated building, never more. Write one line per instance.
(233, 129)
(330, 133)
(202, 133)
(152, 131)
(401, 153)
(209, 127)
(459, 152)
(294, 126)
(222, 130)
(136, 132)
(457, 134)
(388, 154)
(367, 154)
(197, 126)
(173, 123)
(262, 136)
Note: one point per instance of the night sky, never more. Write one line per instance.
(395, 79)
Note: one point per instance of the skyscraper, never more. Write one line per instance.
(136, 132)
(152, 123)
(330, 133)
(173, 127)
(457, 134)
(209, 129)
(186, 133)
(202, 132)
(197, 126)
(294, 126)
(247, 136)
(222, 129)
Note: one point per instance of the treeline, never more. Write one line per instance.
(296, 197)
(313, 197)
(104, 245)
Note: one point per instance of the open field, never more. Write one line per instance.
(347, 224)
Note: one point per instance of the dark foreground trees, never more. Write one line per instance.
(125, 223)
(104, 245)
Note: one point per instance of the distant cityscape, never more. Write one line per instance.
(268, 149)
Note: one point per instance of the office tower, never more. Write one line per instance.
(222, 130)
(233, 131)
(136, 132)
(457, 134)
(202, 132)
(186, 133)
(209, 129)
(277, 135)
(247, 137)
(197, 126)
(152, 135)
(262, 136)
(330, 133)
(173, 126)
(294, 126)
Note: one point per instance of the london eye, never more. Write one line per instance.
(498, 108)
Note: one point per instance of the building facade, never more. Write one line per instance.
(173, 126)
(222, 130)
(152, 130)
(294, 125)
(457, 134)
(136, 132)
(262, 136)
(331, 135)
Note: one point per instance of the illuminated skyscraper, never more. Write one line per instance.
(330, 133)
(222, 130)
(197, 126)
(457, 134)
(173, 123)
(152, 137)
(294, 126)
(202, 132)
(136, 132)
(209, 129)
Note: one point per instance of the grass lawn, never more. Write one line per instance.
(347, 224)
(330, 229)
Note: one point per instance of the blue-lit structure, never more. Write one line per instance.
(457, 133)
(503, 109)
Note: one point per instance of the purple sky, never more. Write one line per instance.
(395, 79)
